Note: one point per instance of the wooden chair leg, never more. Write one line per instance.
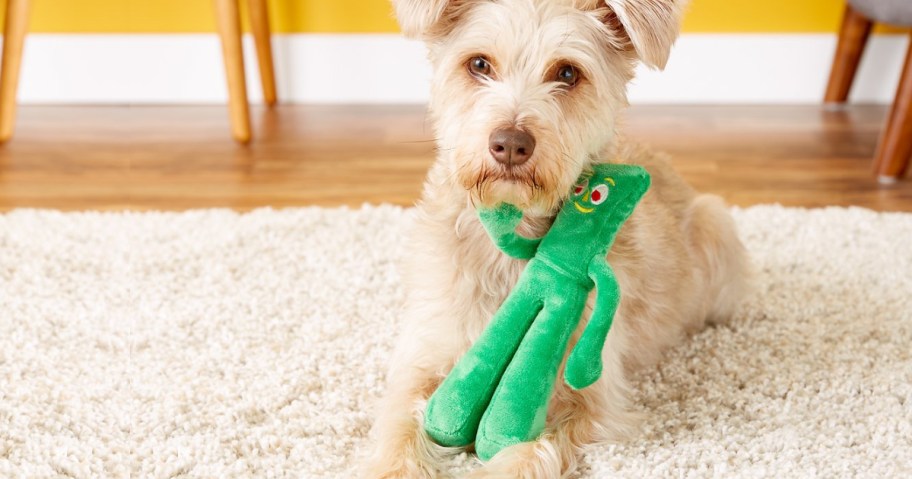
(852, 39)
(892, 158)
(17, 16)
(229, 27)
(259, 24)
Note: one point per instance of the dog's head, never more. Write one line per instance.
(526, 92)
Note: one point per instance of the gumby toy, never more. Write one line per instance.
(497, 394)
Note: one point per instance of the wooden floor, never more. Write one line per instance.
(173, 158)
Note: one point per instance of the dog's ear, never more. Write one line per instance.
(652, 26)
(427, 18)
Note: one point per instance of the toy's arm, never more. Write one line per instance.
(584, 366)
(501, 223)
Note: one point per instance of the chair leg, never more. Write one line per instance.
(895, 148)
(229, 27)
(852, 39)
(259, 23)
(17, 15)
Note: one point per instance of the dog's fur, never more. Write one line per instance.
(678, 259)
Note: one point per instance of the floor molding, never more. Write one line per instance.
(382, 68)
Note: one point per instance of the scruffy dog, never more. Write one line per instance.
(525, 96)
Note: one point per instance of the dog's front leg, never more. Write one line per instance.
(401, 448)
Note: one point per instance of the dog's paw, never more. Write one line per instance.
(529, 460)
(395, 468)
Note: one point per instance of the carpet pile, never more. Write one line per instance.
(215, 344)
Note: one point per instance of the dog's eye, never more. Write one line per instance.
(599, 194)
(579, 189)
(568, 75)
(479, 67)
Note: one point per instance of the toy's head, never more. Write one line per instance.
(608, 187)
(599, 203)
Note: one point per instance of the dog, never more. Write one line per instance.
(525, 96)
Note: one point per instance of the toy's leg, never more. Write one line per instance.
(455, 409)
(575, 419)
(518, 409)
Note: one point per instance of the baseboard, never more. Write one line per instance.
(380, 68)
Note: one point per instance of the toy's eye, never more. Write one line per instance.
(599, 194)
(580, 188)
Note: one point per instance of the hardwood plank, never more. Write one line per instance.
(179, 157)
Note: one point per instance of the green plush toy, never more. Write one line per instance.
(497, 394)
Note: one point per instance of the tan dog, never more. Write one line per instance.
(525, 96)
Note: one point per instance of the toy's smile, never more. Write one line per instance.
(582, 208)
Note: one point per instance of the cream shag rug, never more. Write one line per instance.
(213, 344)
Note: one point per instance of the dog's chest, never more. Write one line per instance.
(485, 275)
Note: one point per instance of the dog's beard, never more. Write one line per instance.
(527, 186)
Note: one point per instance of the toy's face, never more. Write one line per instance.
(591, 192)
(601, 201)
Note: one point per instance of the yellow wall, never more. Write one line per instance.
(355, 16)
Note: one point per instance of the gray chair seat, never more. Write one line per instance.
(893, 12)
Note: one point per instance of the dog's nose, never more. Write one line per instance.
(511, 146)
